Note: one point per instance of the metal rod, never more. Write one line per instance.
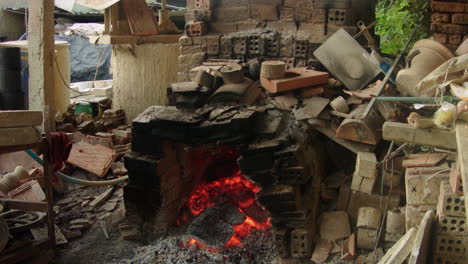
(387, 76)
(423, 100)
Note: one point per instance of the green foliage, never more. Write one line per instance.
(397, 19)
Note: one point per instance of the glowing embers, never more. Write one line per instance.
(224, 212)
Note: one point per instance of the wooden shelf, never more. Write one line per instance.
(115, 40)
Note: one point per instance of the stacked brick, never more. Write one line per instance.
(450, 22)
(315, 17)
(288, 30)
(451, 233)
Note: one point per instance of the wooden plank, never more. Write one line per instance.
(419, 252)
(96, 159)
(140, 17)
(20, 118)
(14, 136)
(116, 40)
(461, 131)
(97, 4)
(25, 205)
(404, 133)
(41, 59)
(350, 145)
(400, 251)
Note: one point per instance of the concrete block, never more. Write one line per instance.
(301, 243)
(282, 238)
(287, 13)
(287, 42)
(451, 225)
(219, 27)
(300, 48)
(282, 26)
(185, 41)
(334, 225)
(337, 16)
(189, 61)
(450, 204)
(366, 238)
(188, 50)
(395, 223)
(423, 189)
(199, 41)
(450, 245)
(239, 45)
(264, 12)
(225, 45)
(196, 29)
(304, 13)
(266, 2)
(232, 3)
(360, 199)
(231, 14)
(318, 16)
(414, 214)
(365, 173)
(249, 25)
(212, 45)
(369, 218)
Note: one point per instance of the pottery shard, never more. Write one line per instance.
(334, 225)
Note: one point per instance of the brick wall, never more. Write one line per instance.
(450, 22)
(288, 30)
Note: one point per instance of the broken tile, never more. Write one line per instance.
(348, 251)
(423, 160)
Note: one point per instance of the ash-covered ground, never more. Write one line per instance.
(258, 248)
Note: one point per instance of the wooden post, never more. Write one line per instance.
(41, 86)
(41, 59)
(461, 131)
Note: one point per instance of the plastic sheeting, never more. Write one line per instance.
(84, 58)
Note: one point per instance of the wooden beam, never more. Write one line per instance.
(404, 133)
(115, 40)
(25, 205)
(42, 87)
(20, 118)
(461, 132)
(41, 59)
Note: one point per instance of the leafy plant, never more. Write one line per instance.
(397, 19)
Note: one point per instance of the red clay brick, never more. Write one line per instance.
(459, 18)
(449, 28)
(441, 18)
(441, 37)
(455, 39)
(452, 7)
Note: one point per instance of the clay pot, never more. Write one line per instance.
(432, 55)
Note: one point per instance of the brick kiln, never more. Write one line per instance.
(219, 168)
(222, 159)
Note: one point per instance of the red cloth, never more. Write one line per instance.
(59, 149)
